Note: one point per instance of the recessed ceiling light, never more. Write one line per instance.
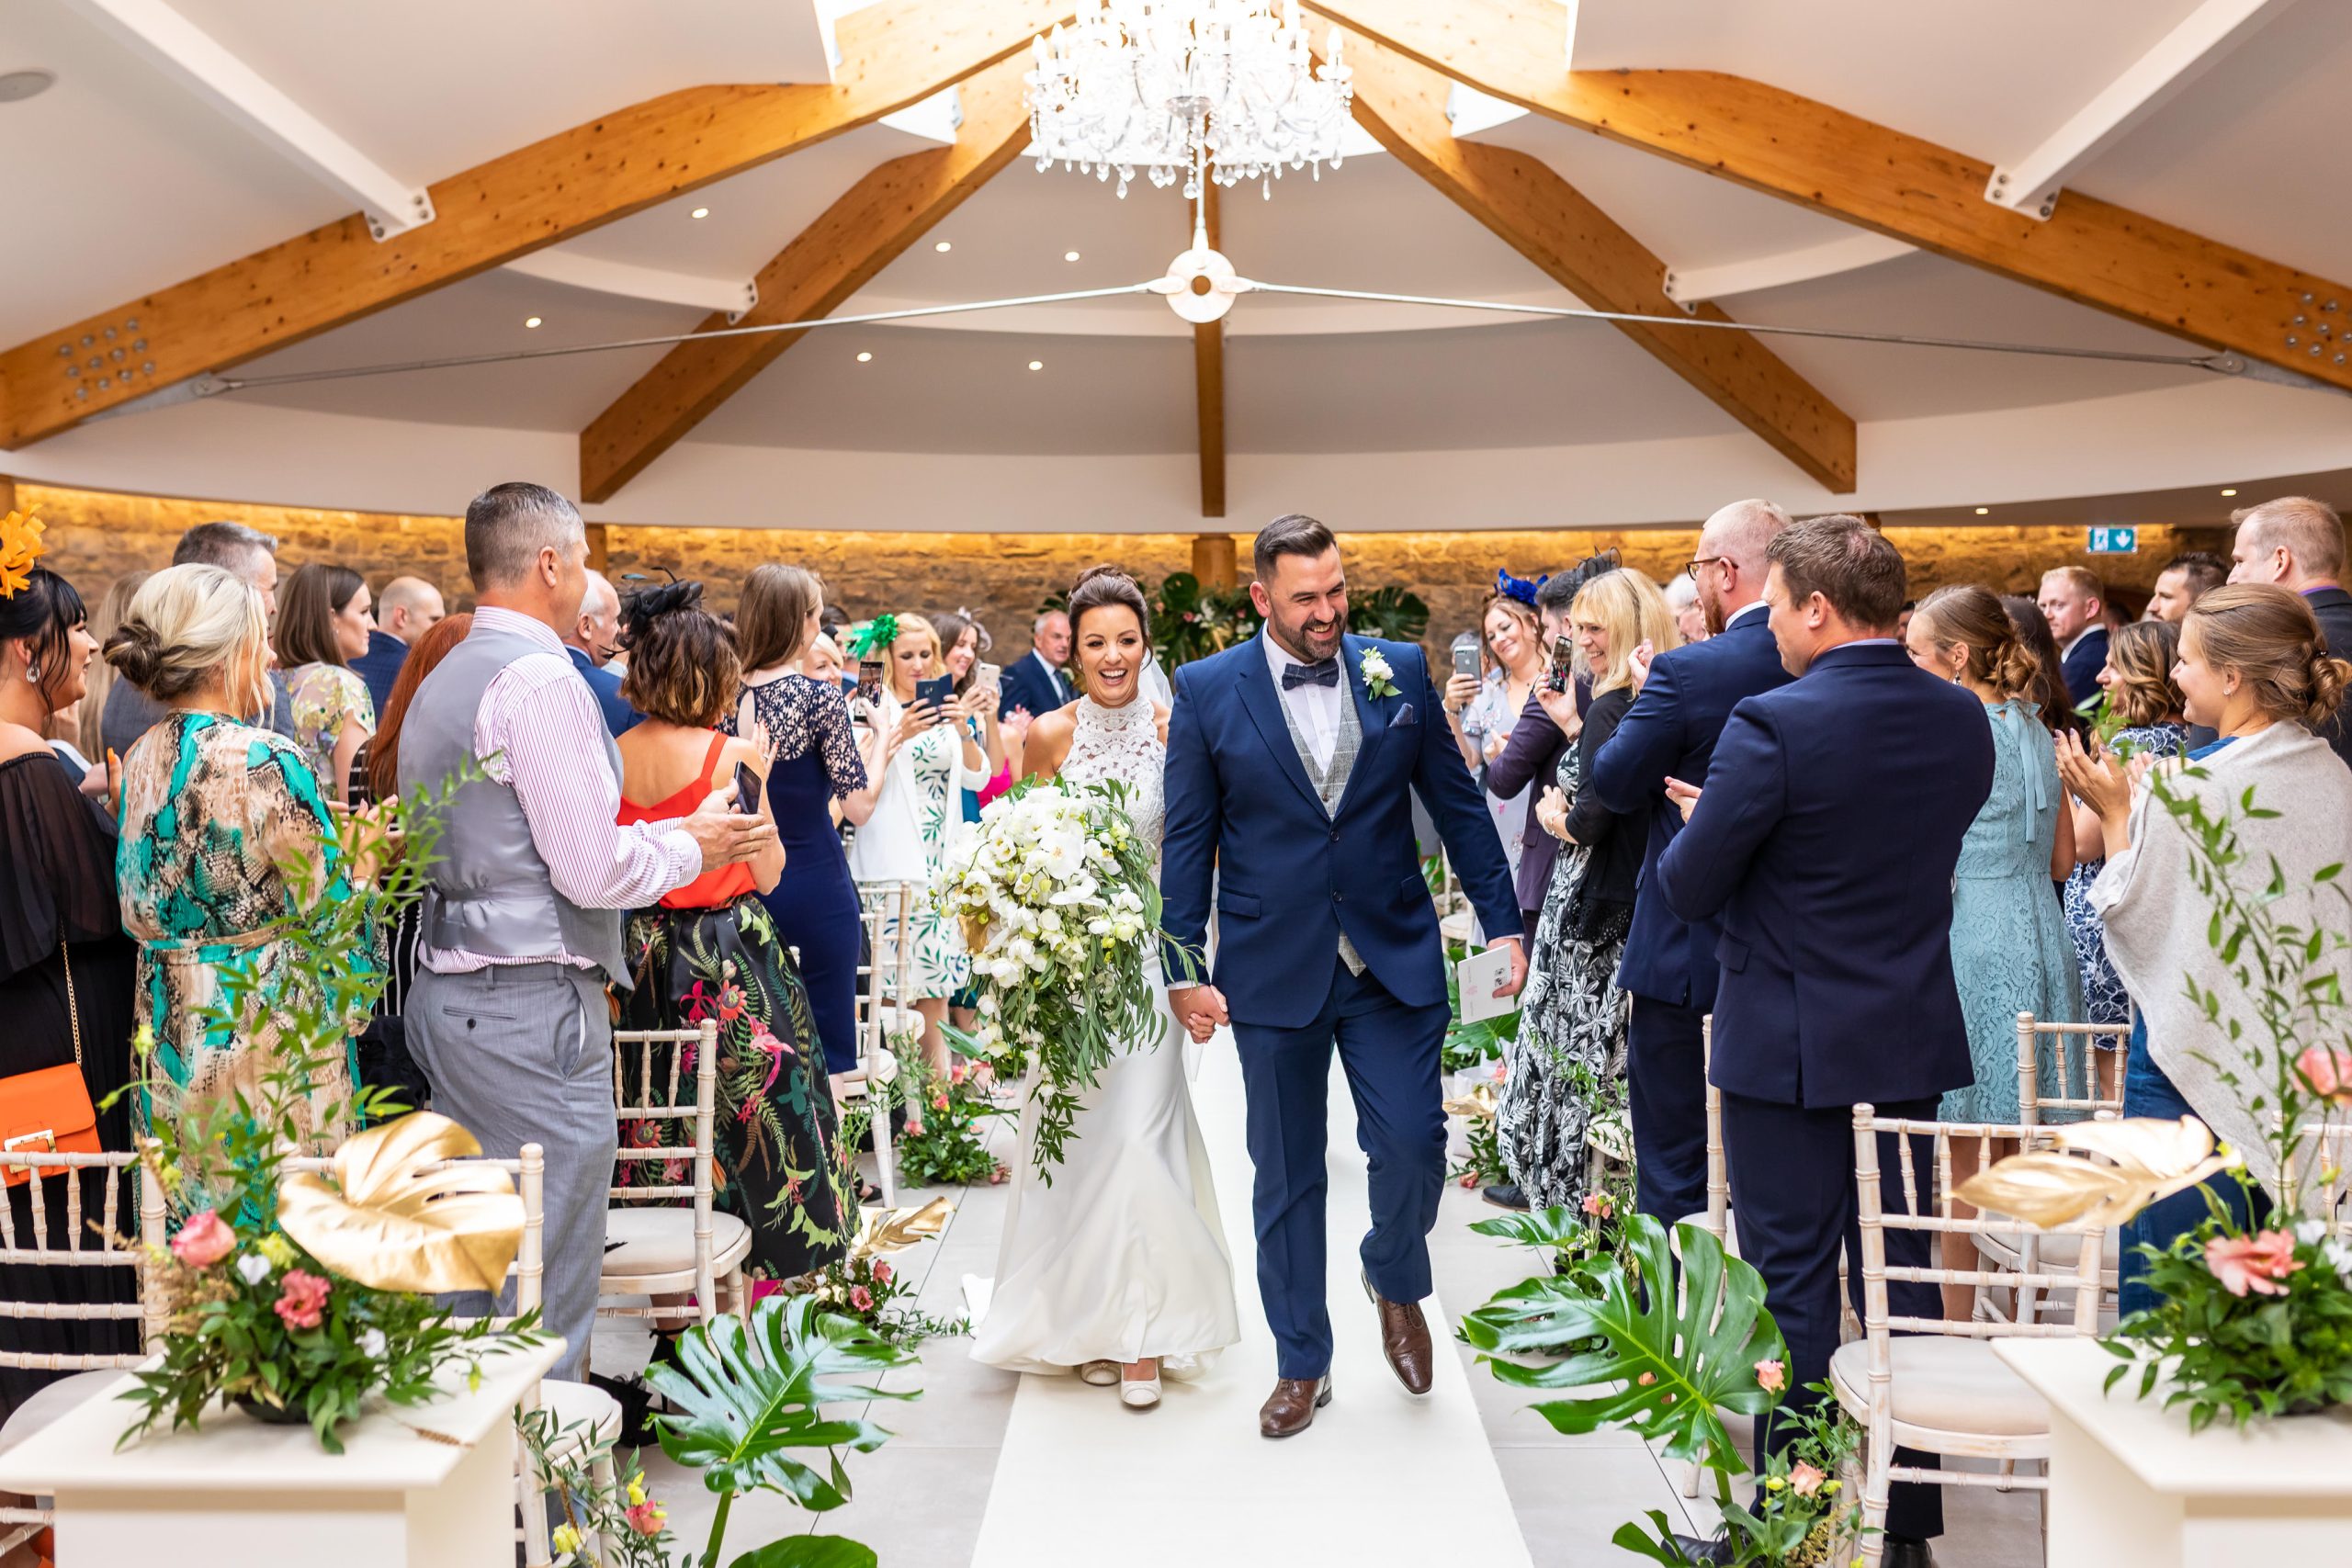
(942, 247)
(864, 356)
(530, 321)
(700, 212)
(2231, 491)
(1036, 365)
(19, 86)
(1983, 510)
(1069, 255)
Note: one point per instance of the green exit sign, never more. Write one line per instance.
(2115, 541)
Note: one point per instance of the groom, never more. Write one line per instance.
(1289, 759)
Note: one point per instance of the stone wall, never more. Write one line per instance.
(95, 535)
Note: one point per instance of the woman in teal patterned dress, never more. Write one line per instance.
(2010, 952)
(216, 814)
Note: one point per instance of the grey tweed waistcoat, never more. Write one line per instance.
(1330, 781)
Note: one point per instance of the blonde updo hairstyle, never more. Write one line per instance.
(1967, 614)
(1632, 608)
(2269, 637)
(188, 625)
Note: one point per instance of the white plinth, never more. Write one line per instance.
(238, 1492)
(2130, 1488)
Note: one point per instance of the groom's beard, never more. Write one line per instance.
(1306, 643)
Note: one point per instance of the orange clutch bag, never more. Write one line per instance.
(49, 1110)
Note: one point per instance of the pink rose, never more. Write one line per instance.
(2259, 1263)
(645, 1517)
(2328, 1071)
(939, 1102)
(881, 1272)
(204, 1240)
(1804, 1479)
(957, 1073)
(861, 1298)
(301, 1299)
(1598, 1205)
(1771, 1376)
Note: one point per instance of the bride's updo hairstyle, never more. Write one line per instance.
(1100, 586)
(683, 667)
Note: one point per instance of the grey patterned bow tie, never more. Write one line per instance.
(1326, 673)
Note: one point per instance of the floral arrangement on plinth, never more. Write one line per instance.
(2255, 1317)
(1060, 912)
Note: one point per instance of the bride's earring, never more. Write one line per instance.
(32, 674)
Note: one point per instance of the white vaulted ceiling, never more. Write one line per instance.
(121, 181)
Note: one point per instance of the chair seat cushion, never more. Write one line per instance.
(51, 1402)
(574, 1405)
(1947, 1384)
(661, 1241)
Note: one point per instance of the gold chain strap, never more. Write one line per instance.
(72, 1003)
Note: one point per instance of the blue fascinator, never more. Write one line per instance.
(1518, 588)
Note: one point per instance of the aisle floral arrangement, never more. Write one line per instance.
(1060, 912)
(942, 1145)
(867, 1288)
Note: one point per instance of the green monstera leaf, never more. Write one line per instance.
(809, 1552)
(1667, 1370)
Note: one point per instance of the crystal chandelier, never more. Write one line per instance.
(1185, 88)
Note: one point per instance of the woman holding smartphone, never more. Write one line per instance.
(1485, 712)
(932, 754)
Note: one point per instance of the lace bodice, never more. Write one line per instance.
(1121, 743)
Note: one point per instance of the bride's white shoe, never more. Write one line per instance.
(1099, 1374)
(1139, 1393)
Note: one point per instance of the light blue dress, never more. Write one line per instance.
(2010, 952)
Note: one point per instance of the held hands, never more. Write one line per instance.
(1637, 663)
(1459, 691)
(1684, 795)
(1201, 1009)
(726, 836)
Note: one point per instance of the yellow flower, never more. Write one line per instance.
(277, 1248)
(636, 1489)
(1774, 1484)
(564, 1537)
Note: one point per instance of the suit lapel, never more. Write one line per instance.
(1256, 684)
(1371, 715)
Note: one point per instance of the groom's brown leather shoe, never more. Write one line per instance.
(1290, 1408)
(1404, 1339)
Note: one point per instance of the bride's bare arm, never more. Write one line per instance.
(1048, 744)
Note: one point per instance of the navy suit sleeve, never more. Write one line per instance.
(1631, 768)
(1745, 796)
(1459, 810)
(1188, 842)
(1534, 740)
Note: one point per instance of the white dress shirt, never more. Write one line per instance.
(1315, 709)
(1753, 607)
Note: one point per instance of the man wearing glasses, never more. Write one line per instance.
(1681, 703)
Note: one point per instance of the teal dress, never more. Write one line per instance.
(2010, 952)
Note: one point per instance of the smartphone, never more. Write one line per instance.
(1465, 659)
(869, 680)
(936, 692)
(747, 789)
(1563, 674)
(991, 676)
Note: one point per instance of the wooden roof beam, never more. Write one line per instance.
(1776, 141)
(1545, 219)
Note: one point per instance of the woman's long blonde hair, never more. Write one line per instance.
(1632, 608)
(186, 624)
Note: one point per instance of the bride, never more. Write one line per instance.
(1119, 1264)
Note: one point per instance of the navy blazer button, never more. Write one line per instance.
(1335, 898)
(1335, 835)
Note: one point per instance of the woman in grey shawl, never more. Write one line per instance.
(2253, 668)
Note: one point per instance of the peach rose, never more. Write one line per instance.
(1804, 1479)
(2259, 1263)
(2328, 1071)
(204, 1240)
(1771, 1376)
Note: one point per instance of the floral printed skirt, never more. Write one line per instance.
(780, 1164)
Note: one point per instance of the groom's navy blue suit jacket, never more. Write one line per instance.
(1288, 879)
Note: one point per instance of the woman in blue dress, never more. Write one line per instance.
(2010, 952)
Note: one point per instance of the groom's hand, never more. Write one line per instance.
(1510, 987)
(1201, 1009)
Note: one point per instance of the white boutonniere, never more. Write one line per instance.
(1377, 676)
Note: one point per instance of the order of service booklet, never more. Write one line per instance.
(1477, 975)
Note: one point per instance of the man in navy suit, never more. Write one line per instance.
(1034, 682)
(1826, 838)
(1669, 965)
(2074, 601)
(405, 611)
(592, 641)
(1293, 759)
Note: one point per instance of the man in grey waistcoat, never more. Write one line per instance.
(522, 925)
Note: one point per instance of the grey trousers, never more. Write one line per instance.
(525, 1055)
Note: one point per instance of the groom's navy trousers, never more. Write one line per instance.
(1389, 1052)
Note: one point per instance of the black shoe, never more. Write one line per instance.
(1697, 1549)
(1506, 1195)
(1901, 1552)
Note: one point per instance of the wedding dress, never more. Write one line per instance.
(1122, 1256)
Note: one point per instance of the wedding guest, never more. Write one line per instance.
(323, 624)
(817, 765)
(90, 714)
(2298, 543)
(405, 611)
(246, 553)
(822, 659)
(1572, 1015)
(2186, 579)
(1532, 754)
(2010, 952)
(67, 973)
(962, 640)
(1831, 948)
(1689, 615)
(2143, 700)
(1681, 705)
(2074, 601)
(932, 753)
(1034, 683)
(522, 927)
(2253, 669)
(228, 854)
(1484, 711)
(594, 640)
(709, 949)
(2053, 699)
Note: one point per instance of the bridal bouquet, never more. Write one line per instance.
(1059, 911)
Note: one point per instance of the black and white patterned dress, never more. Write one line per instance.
(1570, 1053)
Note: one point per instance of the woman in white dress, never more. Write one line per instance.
(932, 754)
(1119, 1264)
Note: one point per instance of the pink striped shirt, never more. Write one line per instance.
(540, 727)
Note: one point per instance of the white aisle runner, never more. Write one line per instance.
(1381, 1478)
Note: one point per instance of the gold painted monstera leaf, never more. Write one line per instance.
(893, 1230)
(2138, 1162)
(392, 1221)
